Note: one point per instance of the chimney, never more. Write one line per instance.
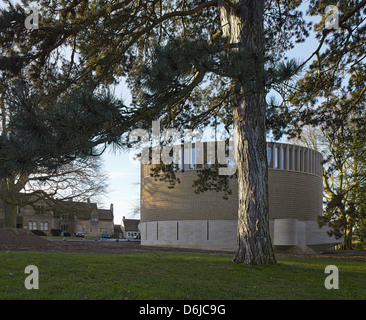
(111, 207)
(88, 200)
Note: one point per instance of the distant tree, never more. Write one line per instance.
(52, 151)
(331, 95)
(345, 182)
(344, 177)
(334, 83)
(78, 181)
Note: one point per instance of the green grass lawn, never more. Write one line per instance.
(163, 275)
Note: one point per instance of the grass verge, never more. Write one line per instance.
(164, 276)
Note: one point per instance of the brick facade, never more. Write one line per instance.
(180, 217)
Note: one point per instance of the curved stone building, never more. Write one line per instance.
(178, 217)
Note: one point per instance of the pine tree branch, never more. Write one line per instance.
(326, 32)
(231, 5)
(168, 16)
(352, 12)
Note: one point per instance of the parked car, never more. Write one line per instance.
(79, 234)
(105, 235)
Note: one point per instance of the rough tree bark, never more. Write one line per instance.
(10, 215)
(8, 190)
(242, 23)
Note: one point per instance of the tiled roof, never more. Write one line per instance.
(131, 224)
(105, 214)
(82, 210)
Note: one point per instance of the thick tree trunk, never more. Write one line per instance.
(347, 240)
(7, 191)
(10, 215)
(244, 28)
(254, 243)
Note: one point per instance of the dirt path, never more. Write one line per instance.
(24, 240)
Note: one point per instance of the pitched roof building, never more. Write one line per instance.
(65, 217)
(130, 228)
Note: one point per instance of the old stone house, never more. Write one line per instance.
(65, 217)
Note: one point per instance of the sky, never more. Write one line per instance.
(123, 175)
(124, 185)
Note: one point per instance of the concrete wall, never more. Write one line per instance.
(199, 234)
(221, 234)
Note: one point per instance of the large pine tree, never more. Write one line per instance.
(189, 64)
